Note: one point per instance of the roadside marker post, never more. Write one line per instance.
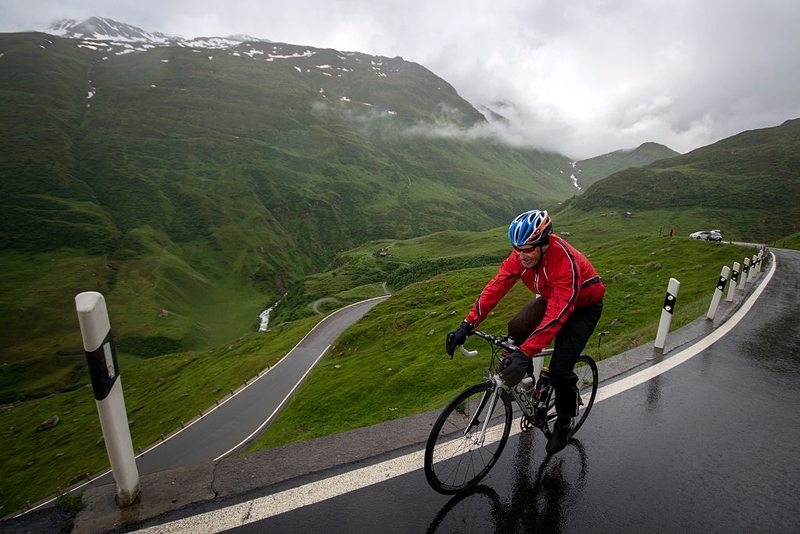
(734, 279)
(753, 269)
(745, 272)
(666, 315)
(104, 371)
(723, 279)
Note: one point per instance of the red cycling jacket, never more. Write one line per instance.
(564, 278)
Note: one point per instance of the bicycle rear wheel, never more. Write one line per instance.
(586, 369)
(454, 459)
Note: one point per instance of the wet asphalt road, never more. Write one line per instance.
(240, 419)
(712, 445)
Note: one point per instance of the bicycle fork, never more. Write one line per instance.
(491, 397)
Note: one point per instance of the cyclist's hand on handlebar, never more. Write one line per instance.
(457, 337)
(512, 368)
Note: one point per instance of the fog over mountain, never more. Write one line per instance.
(585, 78)
(503, 119)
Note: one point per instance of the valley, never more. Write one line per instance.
(196, 187)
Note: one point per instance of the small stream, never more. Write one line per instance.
(264, 315)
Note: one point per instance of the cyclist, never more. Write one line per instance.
(567, 307)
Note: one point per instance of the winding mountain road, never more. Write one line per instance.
(241, 418)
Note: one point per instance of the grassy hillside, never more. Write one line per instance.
(592, 170)
(209, 183)
(745, 185)
(397, 348)
(160, 394)
(792, 241)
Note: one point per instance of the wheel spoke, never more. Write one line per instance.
(454, 458)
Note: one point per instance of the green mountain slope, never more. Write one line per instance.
(746, 185)
(187, 141)
(589, 171)
(194, 187)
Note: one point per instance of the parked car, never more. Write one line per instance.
(707, 235)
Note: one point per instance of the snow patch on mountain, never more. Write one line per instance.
(99, 33)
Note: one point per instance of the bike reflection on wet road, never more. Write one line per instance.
(540, 501)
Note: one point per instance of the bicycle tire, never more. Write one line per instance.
(586, 369)
(453, 461)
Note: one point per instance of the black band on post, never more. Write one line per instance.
(103, 367)
(721, 283)
(669, 303)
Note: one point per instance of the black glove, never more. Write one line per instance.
(457, 337)
(513, 367)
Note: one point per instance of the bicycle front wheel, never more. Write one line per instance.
(462, 449)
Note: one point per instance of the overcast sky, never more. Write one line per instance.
(585, 77)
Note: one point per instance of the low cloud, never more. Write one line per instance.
(585, 77)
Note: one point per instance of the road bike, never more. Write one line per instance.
(471, 432)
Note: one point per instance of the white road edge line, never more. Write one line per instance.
(276, 410)
(316, 492)
(673, 361)
(258, 377)
(249, 383)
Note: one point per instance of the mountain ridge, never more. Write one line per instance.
(592, 170)
(749, 181)
(171, 178)
(210, 184)
(96, 30)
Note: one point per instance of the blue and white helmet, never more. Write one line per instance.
(530, 229)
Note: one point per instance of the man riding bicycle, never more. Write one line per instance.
(567, 308)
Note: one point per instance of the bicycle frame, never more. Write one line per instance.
(522, 399)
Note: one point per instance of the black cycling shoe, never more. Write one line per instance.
(558, 440)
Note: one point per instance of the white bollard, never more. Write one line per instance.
(745, 272)
(753, 269)
(723, 279)
(666, 314)
(734, 279)
(104, 372)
